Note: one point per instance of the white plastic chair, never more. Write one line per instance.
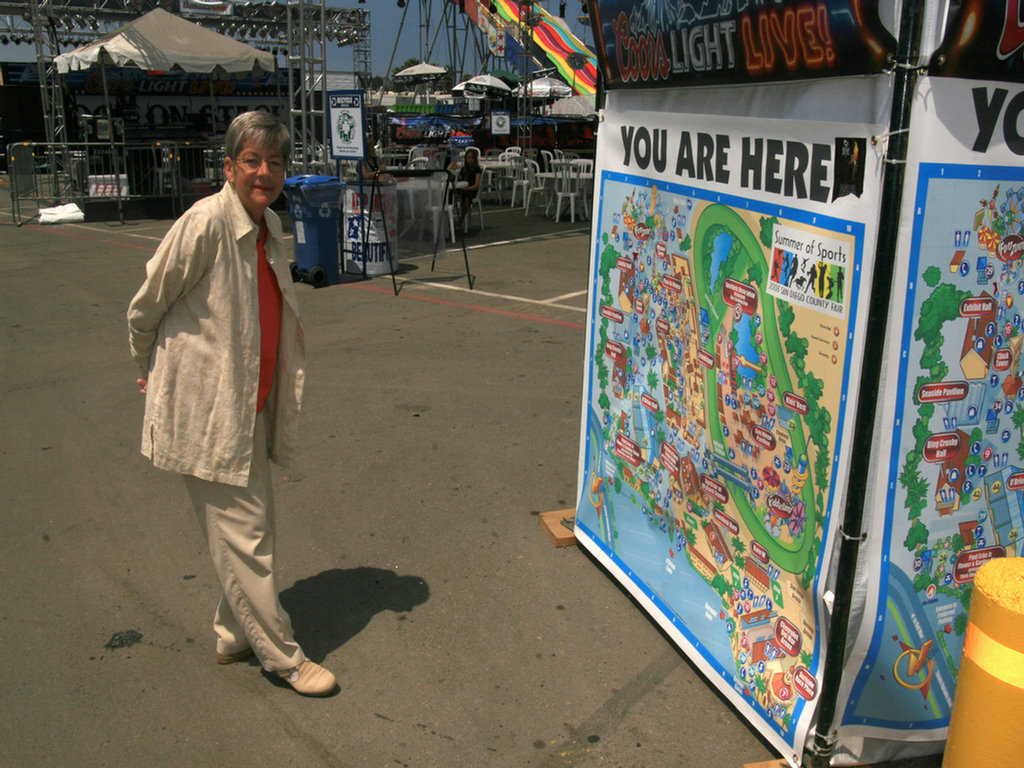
(585, 181)
(438, 206)
(539, 187)
(491, 182)
(547, 156)
(524, 175)
(479, 209)
(505, 179)
(566, 188)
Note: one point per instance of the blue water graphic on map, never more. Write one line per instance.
(688, 601)
(746, 348)
(722, 247)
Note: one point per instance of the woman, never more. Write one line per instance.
(471, 174)
(215, 331)
(372, 165)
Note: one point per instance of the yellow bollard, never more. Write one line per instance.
(985, 728)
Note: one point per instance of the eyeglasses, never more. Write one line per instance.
(252, 164)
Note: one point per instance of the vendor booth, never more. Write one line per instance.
(113, 167)
(803, 423)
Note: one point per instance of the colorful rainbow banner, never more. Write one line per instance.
(551, 35)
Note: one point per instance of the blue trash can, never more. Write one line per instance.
(315, 205)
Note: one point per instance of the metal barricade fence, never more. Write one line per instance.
(47, 174)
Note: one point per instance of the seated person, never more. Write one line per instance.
(372, 165)
(471, 173)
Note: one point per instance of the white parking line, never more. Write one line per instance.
(505, 296)
(120, 232)
(572, 295)
(528, 239)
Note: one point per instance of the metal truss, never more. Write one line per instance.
(528, 19)
(301, 29)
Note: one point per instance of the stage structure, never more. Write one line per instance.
(299, 29)
(509, 35)
(459, 33)
(528, 19)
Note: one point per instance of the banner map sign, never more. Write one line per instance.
(732, 264)
(724, 308)
(951, 474)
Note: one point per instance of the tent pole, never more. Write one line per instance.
(851, 532)
(391, 61)
(213, 110)
(113, 143)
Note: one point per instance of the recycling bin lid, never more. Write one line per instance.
(309, 179)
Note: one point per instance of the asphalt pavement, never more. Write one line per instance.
(438, 424)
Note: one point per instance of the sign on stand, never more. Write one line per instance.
(345, 119)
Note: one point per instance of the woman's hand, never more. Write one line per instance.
(142, 385)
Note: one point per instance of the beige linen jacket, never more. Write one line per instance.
(194, 331)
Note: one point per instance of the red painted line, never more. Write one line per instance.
(477, 308)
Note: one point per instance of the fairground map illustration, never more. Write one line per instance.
(956, 480)
(717, 372)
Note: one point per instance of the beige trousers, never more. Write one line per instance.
(239, 527)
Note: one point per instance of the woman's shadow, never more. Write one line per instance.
(329, 609)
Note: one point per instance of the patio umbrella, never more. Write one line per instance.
(582, 104)
(509, 78)
(421, 74)
(544, 88)
(481, 84)
(421, 71)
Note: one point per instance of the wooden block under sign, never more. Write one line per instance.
(551, 522)
(768, 764)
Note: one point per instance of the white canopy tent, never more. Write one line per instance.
(162, 42)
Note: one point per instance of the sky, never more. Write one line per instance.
(385, 22)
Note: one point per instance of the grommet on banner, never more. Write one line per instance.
(984, 728)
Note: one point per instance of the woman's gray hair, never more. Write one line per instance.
(261, 129)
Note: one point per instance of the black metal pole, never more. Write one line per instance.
(113, 141)
(905, 78)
